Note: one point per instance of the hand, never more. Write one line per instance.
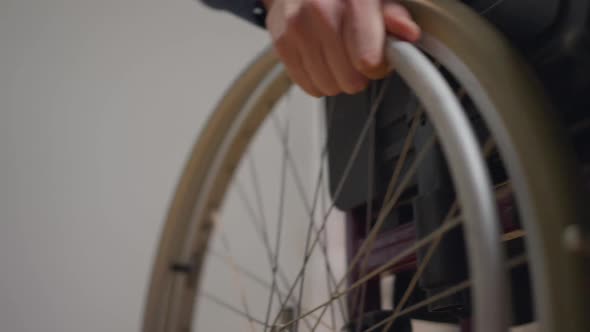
(334, 46)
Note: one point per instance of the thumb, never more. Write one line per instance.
(399, 23)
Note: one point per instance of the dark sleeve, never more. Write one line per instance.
(250, 10)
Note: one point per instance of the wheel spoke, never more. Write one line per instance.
(301, 272)
(243, 270)
(230, 307)
(340, 186)
(236, 277)
(407, 144)
(275, 258)
(260, 230)
(260, 281)
(445, 227)
(425, 260)
(311, 211)
(431, 249)
(330, 279)
(389, 205)
(512, 263)
(490, 7)
(258, 197)
(317, 235)
(368, 217)
(263, 235)
(404, 154)
(408, 140)
(256, 221)
(515, 234)
(306, 202)
(310, 229)
(369, 240)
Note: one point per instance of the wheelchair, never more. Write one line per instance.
(456, 189)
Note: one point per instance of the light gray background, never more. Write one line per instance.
(100, 102)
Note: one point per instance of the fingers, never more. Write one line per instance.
(308, 39)
(399, 23)
(334, 46)
(364, 37)
(316, 65)
(284, 24)
(295, 68)
(328, 31)
(347, 77)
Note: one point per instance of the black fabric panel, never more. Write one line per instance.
(252, 11)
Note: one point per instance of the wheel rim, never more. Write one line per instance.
(183, 308)
(548, 194)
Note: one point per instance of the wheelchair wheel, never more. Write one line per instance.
(210, 274)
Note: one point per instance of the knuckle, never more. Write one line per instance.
(292, 20)
(282, 45)
(356, 86)
(331, 91)
(368, 62)
(296, 25)
(311, 91)
(316, 94)
(325, 12)
(315, 5)
(306, 85)
(281, 49)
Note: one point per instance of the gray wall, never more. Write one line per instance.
(100, 102)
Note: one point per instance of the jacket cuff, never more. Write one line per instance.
(253, 11)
